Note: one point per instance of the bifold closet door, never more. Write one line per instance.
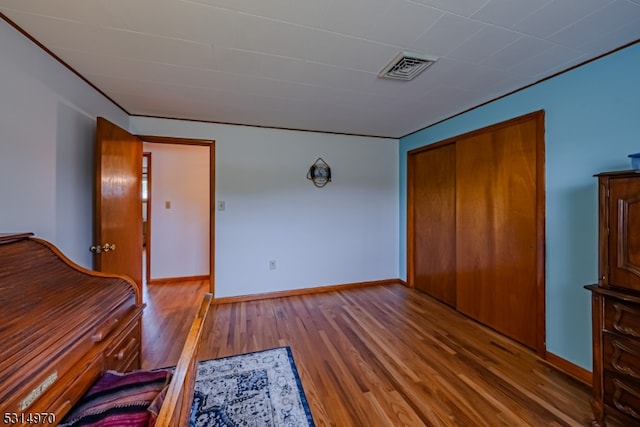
(432, 182)
(496, 233)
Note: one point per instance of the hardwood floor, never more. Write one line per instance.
(377, 356)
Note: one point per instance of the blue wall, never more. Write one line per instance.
(592, 122)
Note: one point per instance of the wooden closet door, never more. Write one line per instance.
(432, 187)
(496, 239)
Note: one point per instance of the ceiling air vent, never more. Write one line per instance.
(407, 65)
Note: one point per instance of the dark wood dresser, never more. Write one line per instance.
(61, 327)
(616, 301)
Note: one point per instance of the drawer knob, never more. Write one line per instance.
(105, 330)
(126, 349)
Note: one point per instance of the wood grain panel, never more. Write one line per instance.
(496, 223)
(624, 229)
(432, 182)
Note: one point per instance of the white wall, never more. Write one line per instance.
(346, 232)
(180, 233)
(47, 131)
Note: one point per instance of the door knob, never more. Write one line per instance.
(103, 248)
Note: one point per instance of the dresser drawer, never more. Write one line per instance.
(622, 317)
(623, 395)
(621, 356)
(124, 354)
(66, 391)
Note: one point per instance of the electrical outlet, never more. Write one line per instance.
(272, 264)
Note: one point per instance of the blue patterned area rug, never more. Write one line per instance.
(260, 389)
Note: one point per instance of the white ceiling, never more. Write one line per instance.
(314, 64)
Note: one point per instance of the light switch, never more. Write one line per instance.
(221, 205)
(167, 204)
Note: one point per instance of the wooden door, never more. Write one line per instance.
(497, 229)
(118, 202)
(432, 193)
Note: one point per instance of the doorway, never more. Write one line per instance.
(163, 175)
